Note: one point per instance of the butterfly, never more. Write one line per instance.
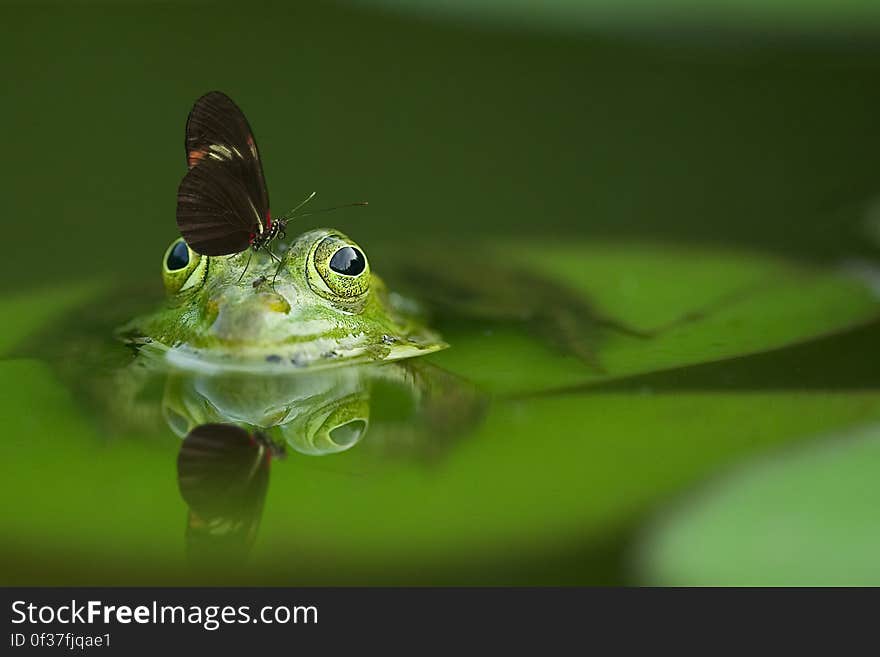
(222, 201)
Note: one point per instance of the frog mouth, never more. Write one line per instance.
(320, 353)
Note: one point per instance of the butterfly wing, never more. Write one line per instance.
(223, 476)
(215, 212)
(217, 130)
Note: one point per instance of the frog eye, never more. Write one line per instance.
(347, 434)
(333, 429)
(348, 261)
(182, 268)
(342, 267)
(178, 256)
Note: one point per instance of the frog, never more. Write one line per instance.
(248, 361)
(320, 306)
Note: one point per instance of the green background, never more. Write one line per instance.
(674, 129)
(654, 160)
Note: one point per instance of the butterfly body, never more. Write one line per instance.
(273, 230)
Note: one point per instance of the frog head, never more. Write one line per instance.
(316, 304)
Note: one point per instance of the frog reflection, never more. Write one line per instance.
(321, 413)
(235, 425)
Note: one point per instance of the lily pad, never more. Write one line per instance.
(537, 477)
(803, 517)
(700, 304)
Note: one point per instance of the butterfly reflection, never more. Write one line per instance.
(223, 475)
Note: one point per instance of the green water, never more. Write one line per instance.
(703, 191)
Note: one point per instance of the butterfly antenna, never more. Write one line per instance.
(289, 215)
(335, 207)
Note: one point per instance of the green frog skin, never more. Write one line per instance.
(323, 306)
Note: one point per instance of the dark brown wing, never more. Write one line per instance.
(215, 212)
(223, 476)
(216, 129)
(222, 470)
